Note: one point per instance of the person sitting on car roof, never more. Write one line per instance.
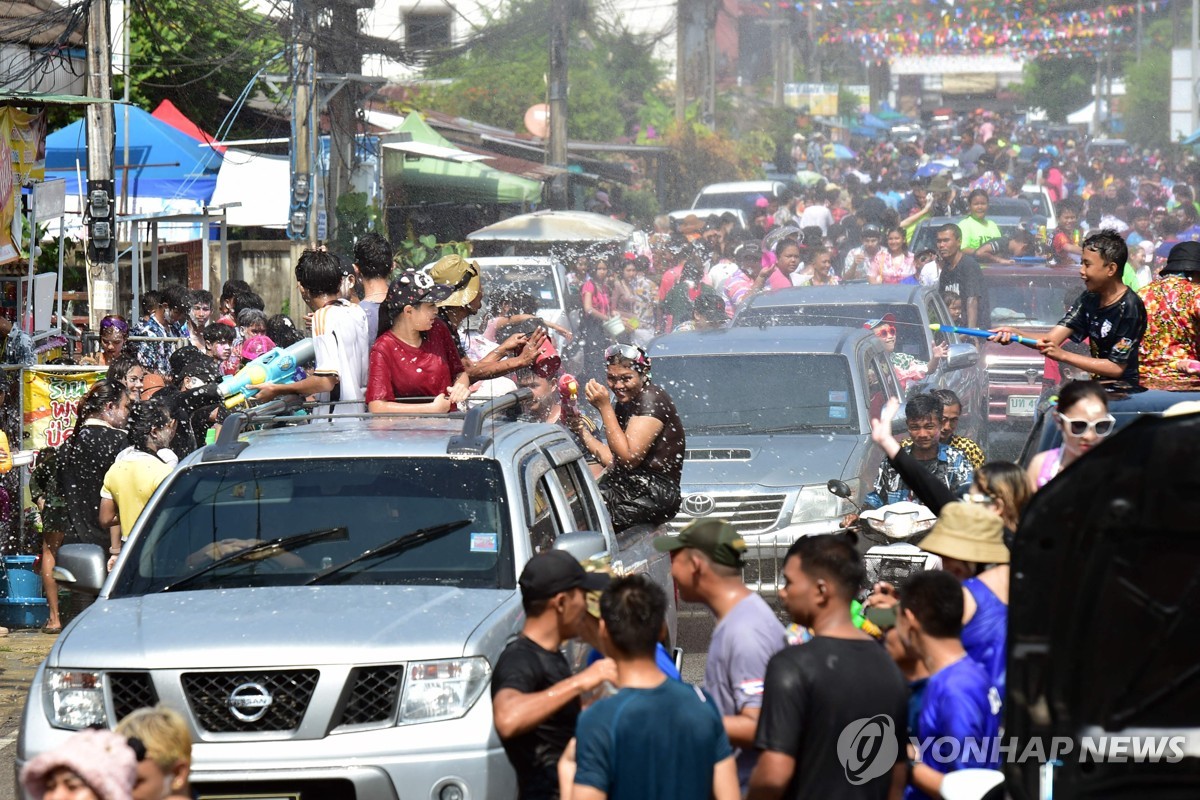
(1170, 355)
(977, 229)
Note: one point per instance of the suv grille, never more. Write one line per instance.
(373, 695)
(748, 513)
(289, 691)
(131, 691)
(1025, 371)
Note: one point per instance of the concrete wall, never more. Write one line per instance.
(268, 266)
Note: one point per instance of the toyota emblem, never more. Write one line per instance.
(699, 505)
(250, 702)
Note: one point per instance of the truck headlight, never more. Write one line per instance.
(817, 503)
(446, 689)
(74, 699)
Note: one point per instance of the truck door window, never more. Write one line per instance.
(544, 527)
(579, 501)
(939, 315)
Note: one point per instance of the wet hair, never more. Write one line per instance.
(103, 394)
(952, 228)
(201, 296)
(948, 398)
(177, 297)
(1075, 391)
(935, 599)
(248, 316)
(162, 731)
(1070, 204)
(319, 272)
(373, 255)
(1109, 246)
(191, 362)
(151, 300)
(711, 307)
(282, 331)
(219, 332)
(784, 244)
(831, 557)
(1004, 480)
(920, 406)
(232, 288)
(146, 417)
(244, 300)
(633, 609)
(120, 367)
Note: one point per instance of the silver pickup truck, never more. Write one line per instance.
(323, 600)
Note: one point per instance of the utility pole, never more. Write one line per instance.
(302, 221)
(100, 206)
(556, 151)
(341, 54)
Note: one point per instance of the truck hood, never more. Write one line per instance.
(274, 627)
(776, 461)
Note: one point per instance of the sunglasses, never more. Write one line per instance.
(885, 330)
(1078, 427)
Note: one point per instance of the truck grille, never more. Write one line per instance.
(374, 693)
(748, 513)
(1025, 371)
(131, 691)
(210, 693)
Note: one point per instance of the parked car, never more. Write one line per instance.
(324, 601)
(1109, 150)
(1039, 198)
(1032, 297)
(739, 194)
(772, 414)
(707, 213)
(543, 278)
(915, 308)
(1101, 628)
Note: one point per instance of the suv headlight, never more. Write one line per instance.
(817, 503)
(446, 689)
(74, 699)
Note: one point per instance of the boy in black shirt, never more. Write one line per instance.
(1108, 314)
(835, 709)
(535, 698)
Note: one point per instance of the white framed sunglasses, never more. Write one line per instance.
(1078, 427)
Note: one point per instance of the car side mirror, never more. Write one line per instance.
(839, 488)
(961, 356)
(582, 545)
(81, 568)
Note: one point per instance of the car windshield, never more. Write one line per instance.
(536, 280)
(912, 336)
(755, 394)
(1038, 200)
(1036, 302)
(925, 236)
(334, 509)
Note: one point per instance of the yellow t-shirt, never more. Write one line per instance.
(131, 480)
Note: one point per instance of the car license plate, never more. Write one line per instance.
(1022, 405)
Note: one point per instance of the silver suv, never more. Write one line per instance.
(324, 600)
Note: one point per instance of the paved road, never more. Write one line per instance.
(20, 654)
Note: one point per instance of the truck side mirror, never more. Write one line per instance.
(582, 544)
(81, 568)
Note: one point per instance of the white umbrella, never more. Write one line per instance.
(555, 226)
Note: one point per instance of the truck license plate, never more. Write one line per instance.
(1022, 405)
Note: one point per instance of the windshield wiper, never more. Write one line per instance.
(281, 543)
(802, 428)
(723, 426)
(395, 546)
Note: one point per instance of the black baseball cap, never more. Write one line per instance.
(554, 571)
(716, 538)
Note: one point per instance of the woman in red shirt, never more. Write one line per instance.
(413, 357)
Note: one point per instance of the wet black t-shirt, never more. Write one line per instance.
(529, 668)
(1114, 332)
(666, 452)
(82, 462)
(813, 691)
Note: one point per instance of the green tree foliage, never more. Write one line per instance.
(192, 52)
(498, 78)
(1058, 85)
(1147, 101)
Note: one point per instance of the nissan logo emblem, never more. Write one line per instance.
(698, 505)
(250, 702)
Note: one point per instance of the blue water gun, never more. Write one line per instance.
(1025, 340)
(275, 366)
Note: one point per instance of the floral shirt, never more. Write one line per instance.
(154, 356)
(950, 467)
(894, 269)
(908, 368)
(1172, 329)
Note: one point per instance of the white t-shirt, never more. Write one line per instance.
(340, 340)
(818, 215)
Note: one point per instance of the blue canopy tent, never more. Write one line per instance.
(164, 162)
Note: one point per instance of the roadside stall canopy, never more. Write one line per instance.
(164, 162)
(439, 179)
(555, 226)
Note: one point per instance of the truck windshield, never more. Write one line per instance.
(1035, 302)
(756, 394)
(324, 513)
(912, 335)
(536, 280)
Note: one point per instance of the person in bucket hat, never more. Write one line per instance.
(707, 558)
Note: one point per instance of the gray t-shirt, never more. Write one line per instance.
(371, 309)
(742, 644)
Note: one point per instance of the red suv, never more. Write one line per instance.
(1033, 298)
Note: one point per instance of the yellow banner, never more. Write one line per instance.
(9, 250)
(50, 401)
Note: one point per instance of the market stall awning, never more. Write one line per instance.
(555, 226)
(440, 180)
